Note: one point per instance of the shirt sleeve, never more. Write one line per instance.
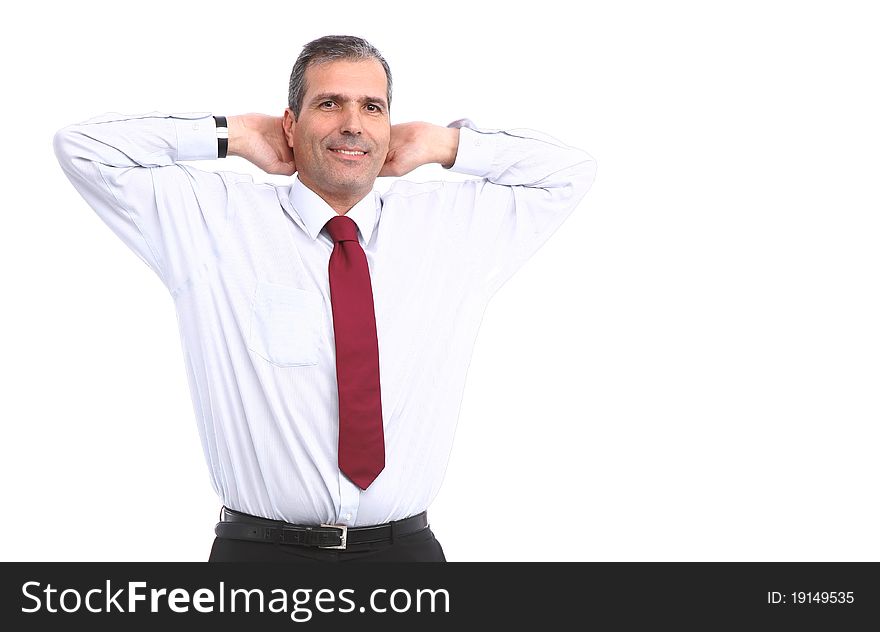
(528, 184)
(127, 169)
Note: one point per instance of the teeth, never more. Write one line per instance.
(350, 153)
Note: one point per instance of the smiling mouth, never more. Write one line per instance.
(349, 152)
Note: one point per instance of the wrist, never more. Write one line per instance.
(237, 130)
(449, 146)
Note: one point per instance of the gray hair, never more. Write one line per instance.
(326, 49)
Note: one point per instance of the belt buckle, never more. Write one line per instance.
(343, 536)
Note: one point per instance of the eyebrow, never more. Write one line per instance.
(341, 98)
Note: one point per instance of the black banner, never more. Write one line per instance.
(685, 595)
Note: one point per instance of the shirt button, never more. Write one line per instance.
(348, 516)
(195, 126)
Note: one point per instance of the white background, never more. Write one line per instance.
(688, 370)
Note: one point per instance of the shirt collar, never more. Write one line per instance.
(315, 212)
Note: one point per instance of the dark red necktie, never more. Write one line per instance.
(361, 438)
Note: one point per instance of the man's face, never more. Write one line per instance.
(341, 138)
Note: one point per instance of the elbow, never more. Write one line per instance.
(586, 174)
(71, 149)
(62, 145)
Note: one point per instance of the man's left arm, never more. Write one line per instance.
(529, 183)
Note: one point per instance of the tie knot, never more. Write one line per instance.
(342, 228)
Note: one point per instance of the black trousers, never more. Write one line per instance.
(415, 547)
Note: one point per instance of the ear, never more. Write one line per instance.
(289, 123)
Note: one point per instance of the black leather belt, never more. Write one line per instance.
(242, 526)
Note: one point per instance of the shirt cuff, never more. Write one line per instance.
(196, 135)
(476, 150)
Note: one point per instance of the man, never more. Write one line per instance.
(326, 329)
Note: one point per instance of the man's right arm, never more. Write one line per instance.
(127, 168)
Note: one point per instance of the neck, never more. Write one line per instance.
(341, 202)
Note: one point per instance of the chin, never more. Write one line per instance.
(350, 182)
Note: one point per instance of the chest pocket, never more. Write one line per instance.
(285, 324)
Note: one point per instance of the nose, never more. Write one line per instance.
(351, 120)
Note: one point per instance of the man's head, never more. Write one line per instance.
(337, 120)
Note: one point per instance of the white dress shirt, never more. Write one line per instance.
(247, 266)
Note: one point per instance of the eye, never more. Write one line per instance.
(372, 107)
(327, 104)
